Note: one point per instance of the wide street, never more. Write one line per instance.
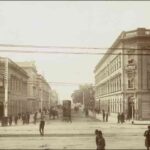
(76, 135)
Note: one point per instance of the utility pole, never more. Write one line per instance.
(6, 89)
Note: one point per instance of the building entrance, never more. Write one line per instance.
(130, 107)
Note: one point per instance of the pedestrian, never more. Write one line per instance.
(106, 116)
(35, 117)
(42, 124)
(122, 117)
(103, 112)
(23, 118)
(10, 120)
(118, 117)
(96, 138)
(86, 112)
(100, 141)
(28, 117)
(147, 138)
(16, 119)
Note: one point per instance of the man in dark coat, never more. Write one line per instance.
(119, 117)
(16, 119)
(35, 117)
(122, 117)
(42, 124)
(96, 138)
(106, 116)
(147, 138)
(103, 113)
(10, 120)
(100, 141)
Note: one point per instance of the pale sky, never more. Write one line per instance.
(60, 23)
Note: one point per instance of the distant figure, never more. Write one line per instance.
(100, 141)
(42, 124)
(119, 117)
(147, 138)
(86, 112)
(103, 113)
(28, 117)
(35, 117)
(96, 138)
(23, 118)
(10, 120)
(16, 119)
(106, 116)
(122, 117)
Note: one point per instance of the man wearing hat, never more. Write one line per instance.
(147, 138)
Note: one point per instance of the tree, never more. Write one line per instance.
(85, 95)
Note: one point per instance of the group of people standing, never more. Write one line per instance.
(25, 117)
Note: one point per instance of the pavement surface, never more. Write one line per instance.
(76, 135)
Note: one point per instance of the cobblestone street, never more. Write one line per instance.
(76, 135)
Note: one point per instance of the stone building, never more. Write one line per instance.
(44, 91)
(13, 88)
(122, 76)
(38, 88)
(32, 86)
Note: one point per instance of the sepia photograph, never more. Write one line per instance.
(75, 75)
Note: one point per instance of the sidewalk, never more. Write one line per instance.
(112, 118)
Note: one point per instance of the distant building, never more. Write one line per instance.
(44, 91)
(122, 77)
(13, 88)
(38, 88)
(32, 86)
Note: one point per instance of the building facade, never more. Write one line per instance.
(13, 88)
(32, 86)
(38, 89)
(44, 92)
(122, 77)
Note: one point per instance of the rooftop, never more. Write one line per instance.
(139, 32)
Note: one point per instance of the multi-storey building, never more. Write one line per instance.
(38, 88)
(44, 91)
(13, 88)
(122, 77)
(32, 86)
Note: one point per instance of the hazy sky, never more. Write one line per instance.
(60, 23)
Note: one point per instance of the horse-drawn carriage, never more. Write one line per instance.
(67, 110)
